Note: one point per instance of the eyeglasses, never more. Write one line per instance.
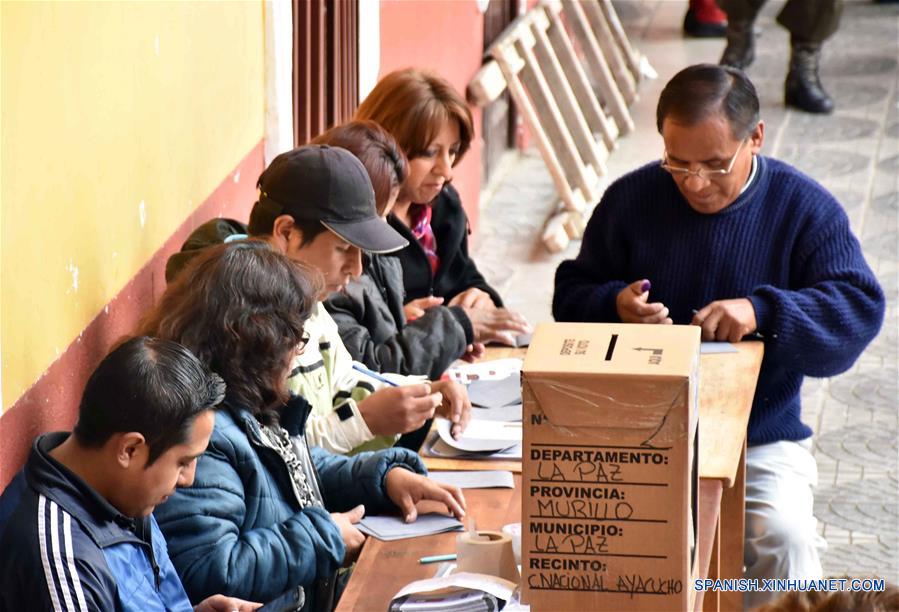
(702, 173)
(304, 340)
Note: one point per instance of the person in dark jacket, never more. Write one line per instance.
(267, 512)
(369, 310)
(433, 126)
(719, 236)
(317, 206)
(75, 524)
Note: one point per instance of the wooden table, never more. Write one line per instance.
(726, 388)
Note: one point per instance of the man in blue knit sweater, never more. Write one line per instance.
(739, 244)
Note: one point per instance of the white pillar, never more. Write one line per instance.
(278, 17)
(369, 45)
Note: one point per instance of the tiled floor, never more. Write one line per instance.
(855, 154)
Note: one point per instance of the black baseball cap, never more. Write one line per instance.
(330, 185)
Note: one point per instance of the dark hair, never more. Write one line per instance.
(376, 149)
(240, 307)
(152, 386)
(262, 222)
(699, 91)
(413, 105)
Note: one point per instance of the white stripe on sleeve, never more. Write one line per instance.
(57, 558)
(45, 560)
(70, 558)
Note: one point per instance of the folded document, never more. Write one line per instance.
(390, 528)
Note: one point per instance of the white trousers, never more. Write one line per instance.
(781, 537)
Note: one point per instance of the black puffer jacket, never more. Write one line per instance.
(457, 271)
(369, 315)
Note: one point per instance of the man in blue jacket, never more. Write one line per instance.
(737, 243)
(76, 523)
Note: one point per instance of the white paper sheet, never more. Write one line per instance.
(435, 447)
(485, 370)
(390, 528)
(503, 413)
(480, 479)
(481, 436)
(495, 393)
(709, 348)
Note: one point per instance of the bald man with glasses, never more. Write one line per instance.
(739, 244)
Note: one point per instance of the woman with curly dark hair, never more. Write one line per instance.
(267, 513)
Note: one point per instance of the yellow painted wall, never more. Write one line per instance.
(118, 119)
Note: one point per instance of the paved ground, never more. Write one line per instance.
(854, 153)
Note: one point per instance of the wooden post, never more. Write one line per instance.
(610, 50)
(579, 175)
(511, 64)
(630, 55)
(591, 151)
(608, 88)
(600, 125)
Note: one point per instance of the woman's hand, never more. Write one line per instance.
(406, 488)
(473, 352)
(455, 405)
(416, 308)
(353, 539)
(473, 298)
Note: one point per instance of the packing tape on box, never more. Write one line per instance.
(486, 552)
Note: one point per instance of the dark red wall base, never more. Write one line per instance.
(51, 404)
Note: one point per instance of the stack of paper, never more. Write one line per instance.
(463, 592)
(388, 528)
(485, 370)
(434, 446)
(455, 600)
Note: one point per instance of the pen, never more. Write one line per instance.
(437, 558)
(754, 335)
(375, 375)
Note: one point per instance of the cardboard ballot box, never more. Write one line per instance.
(610, 467)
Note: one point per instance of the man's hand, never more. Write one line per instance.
(473, 352)
(633, 305)
(353, 539)
(220, 603)
(496, 325)
(473, 298)
(726, 320)
(456, 406)
(405, 489)
(394, 410)
(416, 308)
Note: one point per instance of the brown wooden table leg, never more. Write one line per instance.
(733, 532)
(710, 491)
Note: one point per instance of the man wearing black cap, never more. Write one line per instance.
(316, 205)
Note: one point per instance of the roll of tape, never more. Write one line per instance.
(486, 552)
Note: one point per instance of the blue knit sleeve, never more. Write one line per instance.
(586, 287)
(833, 308)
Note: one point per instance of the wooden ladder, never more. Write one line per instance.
(576, 110)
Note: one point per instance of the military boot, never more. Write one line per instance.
(802, 88)
(740, 50)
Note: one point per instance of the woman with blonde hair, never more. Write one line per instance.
(433, 126)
